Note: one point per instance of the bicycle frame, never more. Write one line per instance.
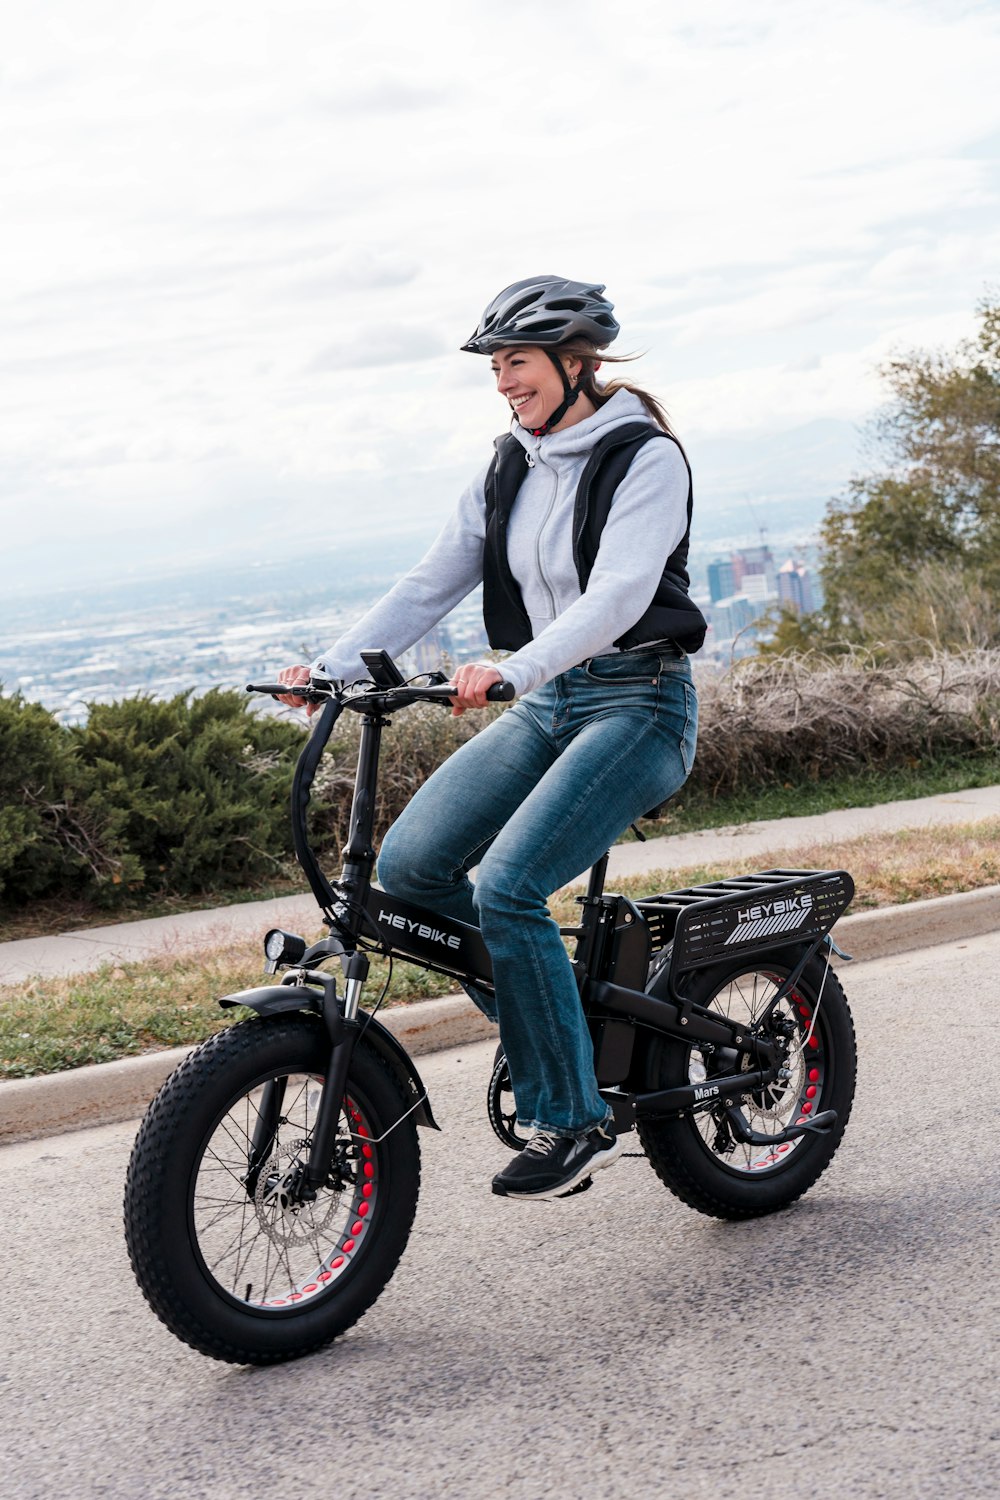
(750, 916)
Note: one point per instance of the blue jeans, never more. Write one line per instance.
(534, 800)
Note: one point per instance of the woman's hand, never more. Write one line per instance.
(297, 676)
(471, 683)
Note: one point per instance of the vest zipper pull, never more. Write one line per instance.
(528, 459)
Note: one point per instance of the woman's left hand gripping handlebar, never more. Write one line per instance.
(471, 683)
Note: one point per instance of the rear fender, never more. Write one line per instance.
(277, 999)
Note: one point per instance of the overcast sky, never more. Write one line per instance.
(241, 243)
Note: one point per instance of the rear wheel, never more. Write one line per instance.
(228, 1250)
(699, 1155)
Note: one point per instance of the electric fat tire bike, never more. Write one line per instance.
(274, 1179)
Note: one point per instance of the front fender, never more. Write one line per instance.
(276, 999)
(273, 999)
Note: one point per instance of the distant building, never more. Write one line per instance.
(730, 616)
(795, 587)
(755, 562)
(757, 586)
(721, 579)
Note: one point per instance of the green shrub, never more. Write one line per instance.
(48, 837)
(191, 795)
(195, 790)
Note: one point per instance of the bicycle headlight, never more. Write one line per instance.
(283, 947)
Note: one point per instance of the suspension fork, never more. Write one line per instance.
(344, 1031)
(342, 1026)
(265, 1130)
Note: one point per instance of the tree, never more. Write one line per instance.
(928, 524)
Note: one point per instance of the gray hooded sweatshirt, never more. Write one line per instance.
(647, 520)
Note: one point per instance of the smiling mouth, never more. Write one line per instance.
(519, 401)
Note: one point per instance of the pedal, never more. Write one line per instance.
(581, 1187)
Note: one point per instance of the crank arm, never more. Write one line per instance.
(821, 1125)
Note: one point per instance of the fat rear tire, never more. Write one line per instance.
(744, 1181)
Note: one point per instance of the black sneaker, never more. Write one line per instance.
(552, 1166)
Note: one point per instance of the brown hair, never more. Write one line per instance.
(591, 357)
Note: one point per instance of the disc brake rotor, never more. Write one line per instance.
(775, 1101)
(283, 1217)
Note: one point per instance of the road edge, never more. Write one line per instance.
(108, 1093)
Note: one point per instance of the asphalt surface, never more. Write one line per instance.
(613, 1345)
(154, 937)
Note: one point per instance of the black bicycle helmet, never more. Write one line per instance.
(545, 310)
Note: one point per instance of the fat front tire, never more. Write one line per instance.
(229, 1256)
(697, 1155)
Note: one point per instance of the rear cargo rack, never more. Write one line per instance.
(726, 918)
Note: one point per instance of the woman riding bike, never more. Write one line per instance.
(578, 531)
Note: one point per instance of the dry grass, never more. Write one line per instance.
(889, 869)
(53, 1024)
(121, 1010)
(763, 724)
(799, 718)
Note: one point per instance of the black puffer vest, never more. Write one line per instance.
(670, 617)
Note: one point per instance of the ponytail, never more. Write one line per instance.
(600, 394)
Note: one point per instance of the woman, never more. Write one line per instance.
(578, 531)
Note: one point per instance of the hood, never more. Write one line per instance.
(581, 437)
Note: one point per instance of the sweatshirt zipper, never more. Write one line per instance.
(538, 542)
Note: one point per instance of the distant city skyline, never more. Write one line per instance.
(242, 246)
(212, 627)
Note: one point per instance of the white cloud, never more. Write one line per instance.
(246, 241)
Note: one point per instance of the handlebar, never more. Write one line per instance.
(498, 692)
(373, 699)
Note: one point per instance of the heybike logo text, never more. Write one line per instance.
(783, 914)
(420, 929)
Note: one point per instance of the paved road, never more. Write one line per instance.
(77, 952)
(616, 1345)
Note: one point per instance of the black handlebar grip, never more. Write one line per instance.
(279, 689)
(500, 692)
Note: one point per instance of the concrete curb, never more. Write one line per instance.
(110, 1092)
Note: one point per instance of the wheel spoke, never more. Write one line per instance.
(267, 1239)
(767, 1111)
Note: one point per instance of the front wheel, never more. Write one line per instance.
(699, 1155)
(230, 1254)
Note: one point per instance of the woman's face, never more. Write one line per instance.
(530, 383)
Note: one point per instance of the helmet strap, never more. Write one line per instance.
(570, 393)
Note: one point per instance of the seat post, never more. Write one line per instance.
(587, 933)
(598, 871)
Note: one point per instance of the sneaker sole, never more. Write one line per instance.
(595, 1164)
